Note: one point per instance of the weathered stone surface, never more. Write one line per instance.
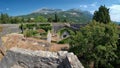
(49, 37)
(23, 58)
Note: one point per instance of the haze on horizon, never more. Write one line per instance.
(23, 7)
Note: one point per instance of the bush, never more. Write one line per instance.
(96, 43)
(71, 32)
(64, 41)
(29, 33)
(46, 27)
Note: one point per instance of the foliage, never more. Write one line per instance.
(31, 26)
(50, 19)
(56, 18)
(116, 62)
(46, 27)
(96, 43)
(102, 15)
(14, 20)
(5, 19)
(28, 29)
(40, 19)
(30, 20)
(29, 33)
(71, 32)
(64, 41)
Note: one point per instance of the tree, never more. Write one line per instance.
(102, 15)
(29, 20)
(96, 44)
(4, 18)
(50, 19)
(40, 19)
(56, 18)
(14, 20)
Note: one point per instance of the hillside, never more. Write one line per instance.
(71, 15)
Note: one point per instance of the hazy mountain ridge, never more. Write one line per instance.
(47, 10)
(71, 15)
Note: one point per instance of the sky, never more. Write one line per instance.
(23, 7)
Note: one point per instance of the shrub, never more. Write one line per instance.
(30, 33)
(96, 43)
(64, 41)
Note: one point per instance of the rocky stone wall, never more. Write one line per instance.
(22, 58)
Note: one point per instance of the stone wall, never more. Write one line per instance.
(22, 58)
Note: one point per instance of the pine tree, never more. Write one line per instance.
(102, 15)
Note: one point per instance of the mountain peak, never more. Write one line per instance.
(71, 15)
(47, 10)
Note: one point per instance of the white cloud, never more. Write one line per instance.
(83, 6)
(115, 12)
(92, 11)
(93, 4)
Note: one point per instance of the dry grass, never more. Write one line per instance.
(18, 40)
(58, 47)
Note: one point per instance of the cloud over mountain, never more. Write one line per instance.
(115, 12)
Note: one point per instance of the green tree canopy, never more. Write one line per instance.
(4, 18)
(96, 43)
(40, 19)
(102, 15)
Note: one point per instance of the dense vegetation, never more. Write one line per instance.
(6, 19)
(97, 44)
(66, 39)
(35, 29)
(102, 15)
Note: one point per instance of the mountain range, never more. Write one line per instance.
(71, 15)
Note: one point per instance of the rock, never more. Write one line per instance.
(23, 58)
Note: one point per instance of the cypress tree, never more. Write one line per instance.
(102, 15)
(56, 18)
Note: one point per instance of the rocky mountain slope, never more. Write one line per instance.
(71, 15)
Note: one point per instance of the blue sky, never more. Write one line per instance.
(22, 7)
